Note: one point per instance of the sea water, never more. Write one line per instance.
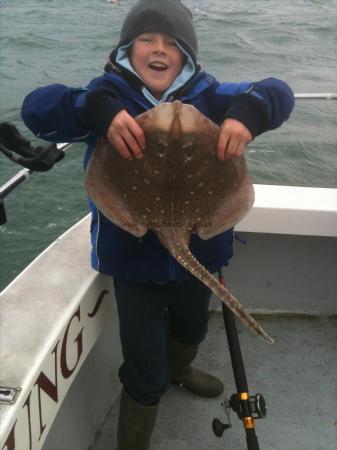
(62, 41)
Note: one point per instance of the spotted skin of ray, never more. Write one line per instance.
(178, 188)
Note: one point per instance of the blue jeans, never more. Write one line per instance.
(144, 311)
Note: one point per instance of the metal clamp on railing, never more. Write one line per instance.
(8, 395)
(18, 179)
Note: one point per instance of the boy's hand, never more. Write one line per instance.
(233, 139)
(126, 135)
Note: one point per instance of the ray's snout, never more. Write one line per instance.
(176, 128)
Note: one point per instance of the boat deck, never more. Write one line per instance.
(297, 376)
(65, 358)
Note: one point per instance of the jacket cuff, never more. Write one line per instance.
(100, 108)
(251, 111)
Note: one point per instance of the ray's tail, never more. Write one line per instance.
(183, 255)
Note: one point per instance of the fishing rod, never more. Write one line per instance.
(36, 154)
(247, 407)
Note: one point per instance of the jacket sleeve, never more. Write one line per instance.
(58, 113)
(261, 106)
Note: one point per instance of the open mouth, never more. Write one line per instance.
(158, 66)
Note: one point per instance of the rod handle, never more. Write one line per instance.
(251, 439)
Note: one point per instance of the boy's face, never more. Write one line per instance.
(157, 60)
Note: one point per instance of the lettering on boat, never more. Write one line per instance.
(37, 409)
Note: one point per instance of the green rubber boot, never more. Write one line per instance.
(180, 357)
(135, 424)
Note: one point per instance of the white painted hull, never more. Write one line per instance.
(51, 319)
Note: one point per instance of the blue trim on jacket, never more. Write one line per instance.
(54, 113)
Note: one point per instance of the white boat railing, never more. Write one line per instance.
(24, 174)
(318, 96)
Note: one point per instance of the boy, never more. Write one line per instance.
(163, 310)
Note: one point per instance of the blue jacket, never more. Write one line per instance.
(55, 113)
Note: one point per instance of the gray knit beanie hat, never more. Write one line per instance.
(165, 16)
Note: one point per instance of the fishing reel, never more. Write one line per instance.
(247, 409)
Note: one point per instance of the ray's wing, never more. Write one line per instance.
(209, 195)
(107, 185)
(231, 196)
(133, 194)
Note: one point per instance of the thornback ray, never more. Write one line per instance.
(178, 188)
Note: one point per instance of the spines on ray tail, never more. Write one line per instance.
(182, 254)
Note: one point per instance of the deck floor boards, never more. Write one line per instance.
(297, 376)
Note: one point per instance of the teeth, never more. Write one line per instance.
(158, 66)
